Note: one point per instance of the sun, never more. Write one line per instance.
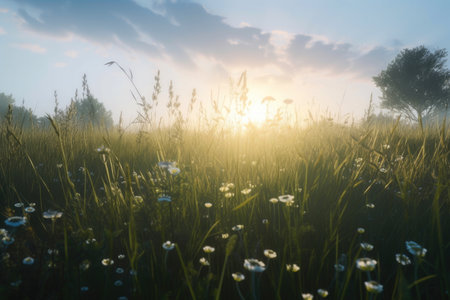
(257, 114)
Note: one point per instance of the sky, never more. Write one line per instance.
(321, 54)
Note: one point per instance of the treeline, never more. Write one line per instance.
(83, 111)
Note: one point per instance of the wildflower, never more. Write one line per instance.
(370, 205)
(373, 287)
(7, 240)
(383, 170)
(238, 277)
(402, 259)
(84, 289)
(120, 270)
(107, 262)
(230, 185)
(103, 150)
(118, 283)
(28, 260)
(386, 146)
(53, 251)
(322, 293)
(225, 235)
(265, 221)
(366, 264)
(292, 268)
(246, 191)
(229, 195)
(208, 249)
(307, 296)
(90, 241)
(18, 205)
(360, 230)
(85, 264)
(52, 214)
(224, 189)
(273, 200)
(208, 205)
(15, 221)
(366, 246)
(415, 249)
(286, 198)
(121, 256)
(237, 227)
(168, 245)
(29, 209)
(165, 198)
(254, 265)
(339, 268)
(270, 253)
(166, 164)
(59, 166)
(204, 262)
(173, 171)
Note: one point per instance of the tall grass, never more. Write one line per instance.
(392, 181)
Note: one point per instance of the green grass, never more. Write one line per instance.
(335, 174)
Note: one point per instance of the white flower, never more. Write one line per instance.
(373, 287)
(366, 264)
(208, 249)
(292, 268)
(52, 214)
(204, 261)
(238, 276)
(246, 191)
(168, 245)
(237, 227)
(322, 293)
(366, 246)
(208, 205)
(28, 260)
(270, 253)
(360, 230)
(107, 262)
(415, 249)
(286, 198)
(402, 259)
(307, 296)
(254, 265)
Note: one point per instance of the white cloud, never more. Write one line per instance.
(3, 10)
(71, 53)
(59, 65)
(31, 47)
(2, 31)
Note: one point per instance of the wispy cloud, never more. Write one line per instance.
(31, 47)
(2, 31)
(182, 31)
(71, 53)
(3, 10)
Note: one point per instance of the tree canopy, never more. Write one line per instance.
(416, 83)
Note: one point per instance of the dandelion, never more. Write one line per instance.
(402, 259)
(339, 268)
(120, 270)
(168, 245)
(360, 230)
(118, 283)
(322, 293)
(107, 262)
(273, 200)
(373, 287)
(15, 221)
(366, 264)
(165, 198)
(237, 227)
(208, 205)
(18, 205)
(366, 246)
(29, 209)
(294, 268)
(270, 253)
(28, 260)
(204, 262)
(238, 276)
(52, 214)
(307, 296)
(208, 249)
(225, 236)
(246, 191)
(415, 249)
(254, 265)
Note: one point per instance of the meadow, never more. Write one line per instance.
(355, 211)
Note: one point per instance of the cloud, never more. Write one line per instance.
(31, 47)
(3, 10)
(2, 31)
(71, 53)
(59, 65)
(182, 31)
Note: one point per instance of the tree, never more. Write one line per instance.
(21, 116)
(416, 83)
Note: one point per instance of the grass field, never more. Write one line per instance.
(279, 212)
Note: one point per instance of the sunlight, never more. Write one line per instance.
(257, 114)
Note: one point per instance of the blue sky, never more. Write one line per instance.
(321, 54)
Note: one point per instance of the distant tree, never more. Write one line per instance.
(21, 116)
(89, 110)
(416, 83)
(5, 101)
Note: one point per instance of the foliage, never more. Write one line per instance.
(416, 83)
(20, 116)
